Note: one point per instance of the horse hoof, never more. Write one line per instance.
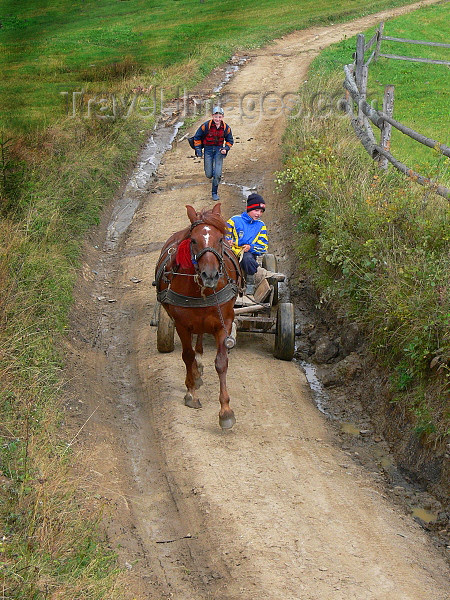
(192, 402)
(227, 422)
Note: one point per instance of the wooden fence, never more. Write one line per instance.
(355, 84)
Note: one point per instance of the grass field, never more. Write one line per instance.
(65, 46)
(376, 243)
(422, 91)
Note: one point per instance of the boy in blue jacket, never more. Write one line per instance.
(247, 236)
(216, 138)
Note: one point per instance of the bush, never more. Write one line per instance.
(380, 251)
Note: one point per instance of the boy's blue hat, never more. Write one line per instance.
(217, 109)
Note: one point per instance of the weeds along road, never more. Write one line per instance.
(273, 508)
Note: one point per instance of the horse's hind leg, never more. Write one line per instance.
(188, 355)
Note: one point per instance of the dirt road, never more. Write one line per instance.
(272, 509)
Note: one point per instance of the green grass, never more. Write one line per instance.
(422, 91)
(72, 171)
(376, 245)
(49, 48)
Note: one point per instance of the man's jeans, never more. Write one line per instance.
(213, 165)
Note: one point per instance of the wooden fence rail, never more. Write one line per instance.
(355, 84)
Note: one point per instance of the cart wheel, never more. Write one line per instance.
(285, 333)
(269, 262)
(166, 331)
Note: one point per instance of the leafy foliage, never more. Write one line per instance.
(381, 251)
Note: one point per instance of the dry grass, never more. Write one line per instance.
(51, 546)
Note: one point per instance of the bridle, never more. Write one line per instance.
(196, 257)
(232, 287)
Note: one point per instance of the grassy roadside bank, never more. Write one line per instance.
(56, 175)
(375, 244)
(422, 93)
(52, 546)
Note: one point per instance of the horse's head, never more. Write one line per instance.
(207, 239)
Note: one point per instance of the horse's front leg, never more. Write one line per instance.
(199, 357)
(226, 415)
(192, 376)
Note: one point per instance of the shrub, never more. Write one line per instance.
(380, 252)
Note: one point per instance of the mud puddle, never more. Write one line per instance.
(318, 392)
(136, 189)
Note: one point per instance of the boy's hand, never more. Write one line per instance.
(246, 247)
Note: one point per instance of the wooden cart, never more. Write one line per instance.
(260, 313)
(263, 313)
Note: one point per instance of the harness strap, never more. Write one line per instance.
(195, 223)
(162, 268)
(197, 257)
(228, 292)
(234, 259)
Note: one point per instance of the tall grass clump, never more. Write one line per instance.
(377, 245)
(51, 544)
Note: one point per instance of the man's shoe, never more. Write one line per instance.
(250, 285)
(215, 196)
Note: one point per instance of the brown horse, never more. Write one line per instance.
(198, 278)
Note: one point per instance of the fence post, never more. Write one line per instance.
(348, 96)
(379, 36)
(363, 93)
(388, 109)
(348, 103)
(359, 62)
